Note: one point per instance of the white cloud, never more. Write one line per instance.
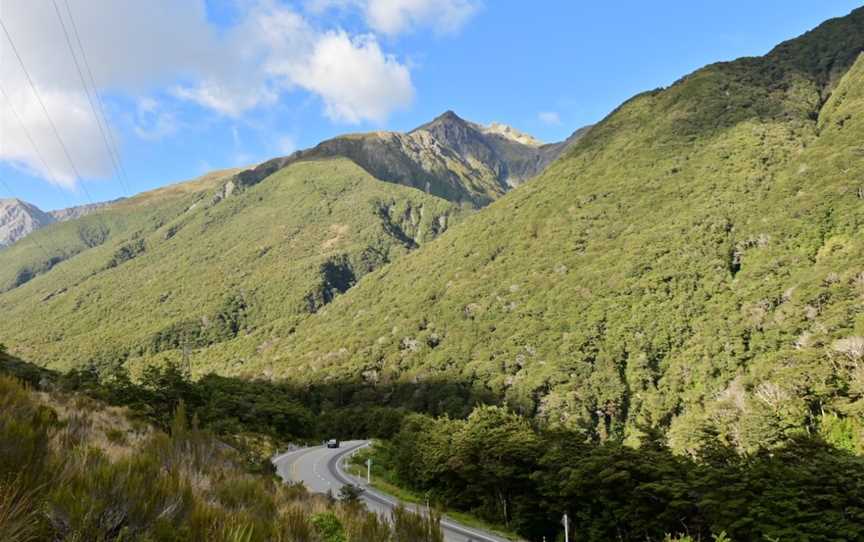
(551, 118)
(356, 80)
(152, 122)
(397, 16)
(394, 17)
(164, 47)
(73, 121)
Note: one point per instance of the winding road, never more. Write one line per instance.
(320, 469)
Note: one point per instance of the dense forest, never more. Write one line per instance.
(496, 464)
(670, 345)
(508, 469)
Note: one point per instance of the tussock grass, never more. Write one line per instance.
(88, 474)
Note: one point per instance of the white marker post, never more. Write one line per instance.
(369, 471)
(566, 528)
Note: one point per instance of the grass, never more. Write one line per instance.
(64, 477)
(384, 481)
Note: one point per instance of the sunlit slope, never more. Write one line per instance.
(694, 263)
(60, 241)
(237, 270)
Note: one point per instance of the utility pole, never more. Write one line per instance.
(566, 528)
(369, 471)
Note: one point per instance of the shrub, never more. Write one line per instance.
(328, 527)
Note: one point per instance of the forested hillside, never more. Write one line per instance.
(709, 283)
(203, 269)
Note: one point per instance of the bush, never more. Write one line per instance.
(328, 527)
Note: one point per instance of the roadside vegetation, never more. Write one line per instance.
(494, 467)
(73, 470)
(498, 466)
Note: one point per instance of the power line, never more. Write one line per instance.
(111, 135)
(111, 153)
(35, 90)
(56, 132)
(84, 86)
(39, 154)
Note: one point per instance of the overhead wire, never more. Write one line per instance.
(111, 134)
(39, 99)
(48, 170)
(102, 131)
(55, 131)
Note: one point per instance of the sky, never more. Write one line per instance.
(115, 97)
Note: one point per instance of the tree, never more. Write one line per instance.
(494, 453)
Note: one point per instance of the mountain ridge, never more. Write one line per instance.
(687, 265)
(447, 157)
(706, 285)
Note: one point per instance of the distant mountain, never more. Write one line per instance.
(448, 157)
(78, 211)
(18, 219)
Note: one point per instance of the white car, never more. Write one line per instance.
(332, 443)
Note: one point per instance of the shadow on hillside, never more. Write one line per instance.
(284, 410)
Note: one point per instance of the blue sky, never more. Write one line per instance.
(225, 83)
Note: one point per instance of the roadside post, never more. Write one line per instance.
(369, 471)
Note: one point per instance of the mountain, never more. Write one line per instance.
(189, 267)
(78, 211)
(66, 236)
(18, 219)
(451, 158)
(448, 157)
(693, 263)
(245, 250)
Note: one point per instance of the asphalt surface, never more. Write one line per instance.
(321, 470)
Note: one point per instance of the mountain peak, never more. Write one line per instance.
(449, 115)
(508, 132)
(18, 219)
(445, 119)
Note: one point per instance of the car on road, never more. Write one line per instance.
(333, 443)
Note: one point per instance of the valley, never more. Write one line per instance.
(651, 330)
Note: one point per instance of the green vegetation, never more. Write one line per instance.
(66, 476)
(111, 224)
(497, 466)
(709, 284)
(385, 480)
(212, 276)
(670, 317)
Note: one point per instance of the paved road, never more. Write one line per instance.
(321, 469)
